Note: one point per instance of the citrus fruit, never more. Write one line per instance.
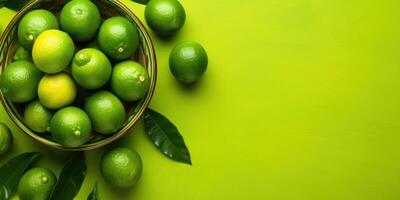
(33, 24)
(52, 51)
(36, 184)
(122, 167)
(130, 80)
(71, 126)
(188, 61)
(5, 138)
(19, 81)
(165, 17)
(106, 112)
(56, 90)
(118, 38)
(90, 68)
(22, 54)
(80, 19)
(37, 117)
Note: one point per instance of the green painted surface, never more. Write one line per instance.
(300, 101)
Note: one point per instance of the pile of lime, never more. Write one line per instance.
(69, 90)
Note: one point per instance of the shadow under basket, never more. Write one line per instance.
(145, 55)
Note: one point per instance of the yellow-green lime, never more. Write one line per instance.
(106, 112)
(165, 17)
(56, 90)
(122, 167)
(118, 38)
(33, 24)
(19, 81)
(36, 184)
(52, 51)
(22, 54)
(5, 138)
(130, 80)
(80, 19)
(90, 68)
(37, 117)
(188, 61)
(71, 127)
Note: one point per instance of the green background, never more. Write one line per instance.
(300, 101)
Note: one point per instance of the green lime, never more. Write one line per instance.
(122, 167)
(80, 19)
(118, 38)
(91, 69)
(33, 24)
(37, 117)
(36, 184)
(106, 112)
(19, 81)
(5, 138)
(165, 17)
(56, 90)
(71, 126)
(22, 54)
(52, 51)
(130, 80)
(188, 61)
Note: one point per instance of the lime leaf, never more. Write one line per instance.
(166, 136)
(12, 171)
(71, 178)
(144, 2)
(93, 195)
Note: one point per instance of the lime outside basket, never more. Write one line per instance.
(144, 55)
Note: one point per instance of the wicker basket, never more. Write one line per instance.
(145, 55)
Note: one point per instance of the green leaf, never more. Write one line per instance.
(93, 195)
(71, 178)
(141, 1)
(12, 171)
(14, 4)
(166, 136)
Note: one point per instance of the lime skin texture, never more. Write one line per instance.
(130, 80)
(37, 117)
(188, 61)
(36, 184)
(106, 112)
(57, 90)
(20, 80)
(165, 17)
(121, 167)
(33, 24)
(80, 19)
(118, 38)
(6, 138)
(22, 54)
(90, 68)
(52, 51)
(71, 127)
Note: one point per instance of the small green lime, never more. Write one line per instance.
(36, 184)
(122, 167)
(22, 54)
(188, 61)
(130, 80)
(57, 90)
(33, 24)
(71, 126)
(106, 112)
(165, 17)
(20, 80)
(91, 69)
(118, 38)
(37, 117)
(80, 19)
(5, 138)
(52, 51)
